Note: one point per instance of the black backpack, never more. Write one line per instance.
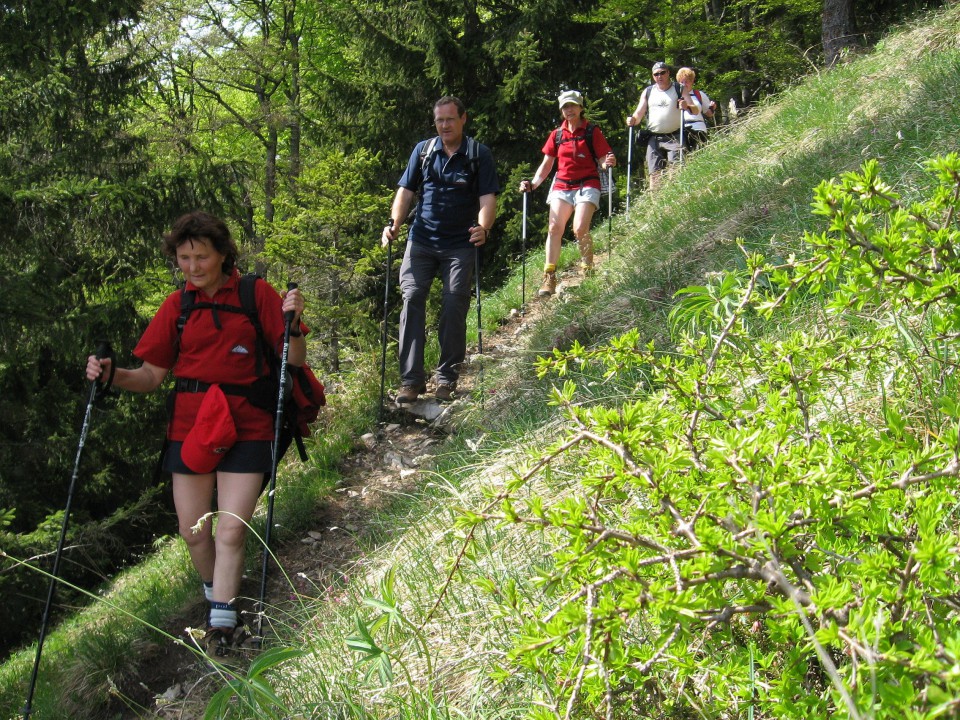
(588, 138)
(428, 150)
(430, 147)
(677, 88)
(304, 393)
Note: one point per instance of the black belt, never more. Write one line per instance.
(262, 393)
(581, 182)
(189, 385)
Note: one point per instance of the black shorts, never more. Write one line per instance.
(251, 456)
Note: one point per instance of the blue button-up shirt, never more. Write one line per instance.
(450, 197)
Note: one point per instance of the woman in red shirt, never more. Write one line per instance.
(218, 438)
(576, 147)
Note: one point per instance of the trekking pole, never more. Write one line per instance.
(629, 164)
(681, 137)
(523, 253)
(102, 352)
(275, 460)
(476, 254)
(383, 333)
(609, 211)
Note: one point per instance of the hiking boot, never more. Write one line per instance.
(224, 643)
(218, 643)
(549, 286)
(586, 254)
(444, 392)
(409, 393)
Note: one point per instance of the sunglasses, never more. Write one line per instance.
(659, 73)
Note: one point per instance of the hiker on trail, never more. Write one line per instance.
(575, 147)
(218, 439)
(662, 103)
(695, 126)
(457, 184)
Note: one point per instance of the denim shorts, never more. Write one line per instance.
(250, 456)
(575, 197)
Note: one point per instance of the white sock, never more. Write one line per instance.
(223, 615)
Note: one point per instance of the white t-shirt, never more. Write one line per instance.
(663, 113)
(697, 122)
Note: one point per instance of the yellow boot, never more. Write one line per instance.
(549, 286)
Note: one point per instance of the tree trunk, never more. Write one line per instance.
(292, 33)
(838, 30)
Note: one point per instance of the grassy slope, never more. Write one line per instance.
(754, 184)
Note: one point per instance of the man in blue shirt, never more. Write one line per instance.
(458, 187)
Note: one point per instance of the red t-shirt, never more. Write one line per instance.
(575, 163)
(211, 354)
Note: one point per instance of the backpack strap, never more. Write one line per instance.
(677, 88)
(248, 301)
(426, 155)
(248, 306)
(430, 147)
(187, 301)
(587, 136)
(473, 163)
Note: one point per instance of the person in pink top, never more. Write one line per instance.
(576, 147)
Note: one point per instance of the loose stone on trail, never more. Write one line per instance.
(428, 408)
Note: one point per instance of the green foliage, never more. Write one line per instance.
(330, 233)
(392, 640)
(252, 693)
(79, 213)
(774, 518)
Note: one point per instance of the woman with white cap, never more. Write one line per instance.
(576, 147)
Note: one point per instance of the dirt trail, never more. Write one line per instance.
(171, 682)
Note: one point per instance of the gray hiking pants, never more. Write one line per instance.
(421, 264)
(662, 150)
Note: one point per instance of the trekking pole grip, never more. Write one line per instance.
(288, 315)
(100, 386)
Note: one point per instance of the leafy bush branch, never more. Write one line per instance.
(766, 525)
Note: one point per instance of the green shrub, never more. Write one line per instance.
(767, 527)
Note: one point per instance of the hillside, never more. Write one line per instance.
(422, 590)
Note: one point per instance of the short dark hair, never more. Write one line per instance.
(451, 99)
(198, 225)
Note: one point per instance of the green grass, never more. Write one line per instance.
(752, 184)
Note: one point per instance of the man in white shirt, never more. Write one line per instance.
(663, 103)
